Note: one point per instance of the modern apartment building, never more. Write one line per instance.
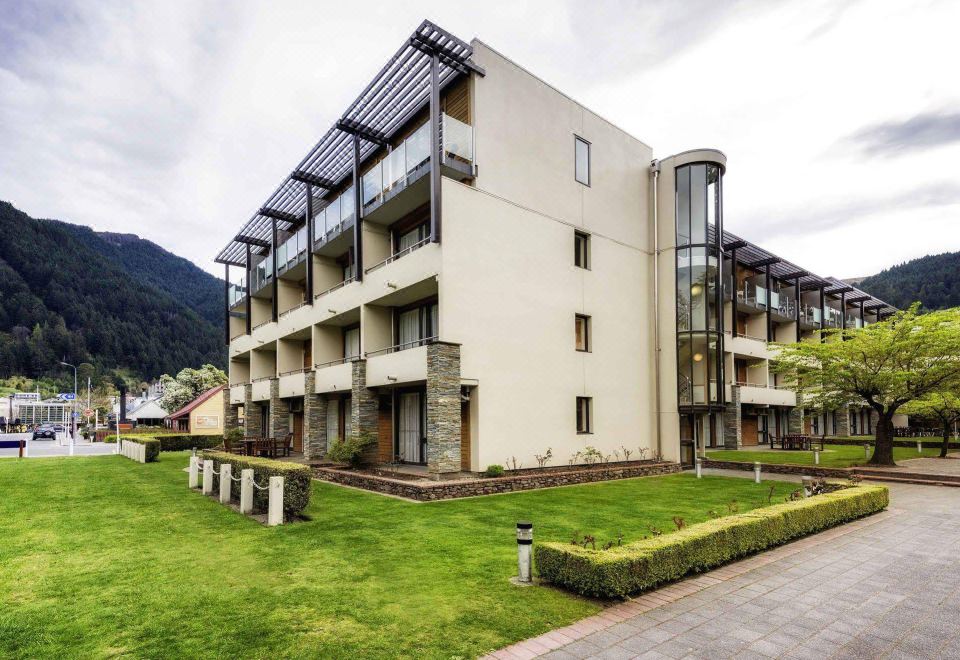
(471, 267)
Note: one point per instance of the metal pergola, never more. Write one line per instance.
(428, 61)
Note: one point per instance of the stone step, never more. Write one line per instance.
(931, 481)
(902, 474)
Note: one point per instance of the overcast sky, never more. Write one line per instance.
(174, 119)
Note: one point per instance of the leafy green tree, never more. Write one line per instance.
(942, 407)
(188, 385)
(885, 366)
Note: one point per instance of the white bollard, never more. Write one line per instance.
(208, 477)
(142, 453)
(194, 481)
(699, 462)
(807, 485)
(866, 450)
(26, 448)
(275, 505)
(919, 447)
(756, 472)
(524, 551)
(246, 490)
(816, 457)
(225, 482)
(71, 445)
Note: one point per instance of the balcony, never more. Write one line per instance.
(810, 317)
(237, 393)
(292, 383)
(330, 225)
(764, 395)
(335, 376)
(236, 292)
(751, 297)
(401, 175)
(832, 318)
(398, 365)
(260, 389)
(746, 346)
(782, 307)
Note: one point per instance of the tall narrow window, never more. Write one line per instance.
(582, 327)
(581, 250)
(351, 342)
(584, 414)
(582, 160)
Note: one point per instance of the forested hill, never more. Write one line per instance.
(934, 280)
(113, 300)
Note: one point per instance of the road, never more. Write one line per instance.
(60, 447)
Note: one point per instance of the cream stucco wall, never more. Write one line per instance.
(211, 411)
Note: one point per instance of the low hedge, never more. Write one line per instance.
(177, 441)
(642, 565)
(296, 480)
(152, 452)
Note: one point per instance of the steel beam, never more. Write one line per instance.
(249, 291)
(309, 283)
(358, 213)
(435, 146)
(273, 259)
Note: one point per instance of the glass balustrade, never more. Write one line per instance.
(403, 164)
(237, 291)
(329, 221)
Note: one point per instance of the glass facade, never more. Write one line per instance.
(699, 205)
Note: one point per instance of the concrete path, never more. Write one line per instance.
(887, 586)
(47, 448)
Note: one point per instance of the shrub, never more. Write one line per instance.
(493, 471)
(642, 565)
(351, 449)
(296, 480)
(152, 445)
(175, 441)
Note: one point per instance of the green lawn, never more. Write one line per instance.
(105, 557)
(839, 456)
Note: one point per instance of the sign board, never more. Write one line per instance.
(206, 422)
(67, 396)
(88, 412)
(26, 396)
(75, 415)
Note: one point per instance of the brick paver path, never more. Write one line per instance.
(885, 586)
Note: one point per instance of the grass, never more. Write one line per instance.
(839, 456)
(104, 557)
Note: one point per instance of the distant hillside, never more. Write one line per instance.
(113, 300)
(934, 280)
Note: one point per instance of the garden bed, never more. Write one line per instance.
(642, 565)
(424, 489)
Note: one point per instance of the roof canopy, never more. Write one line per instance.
(751, 255)
(393, 97)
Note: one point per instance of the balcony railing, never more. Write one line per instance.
(333, 363)
(292, 309)
(752, 294)
(292, 251)
(260, 325)
(411, 159)
(330, 221)
(398, 255)
(402, 347)
(236, 292)
(295, 371)
(336, 286)
(810, 315)
(262, 378)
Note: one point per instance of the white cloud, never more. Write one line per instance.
(174, 120)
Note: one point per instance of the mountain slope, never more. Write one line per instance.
(67, 292)
(934, 280)
(150, 264)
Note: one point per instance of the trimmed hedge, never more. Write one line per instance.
(152, 452)
(177, 441)
(642, 565)
(296, 480)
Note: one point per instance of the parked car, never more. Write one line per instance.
(45, 432)
(59, 428)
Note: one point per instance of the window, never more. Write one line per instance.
(582, 325)
(351, 342)
(416, 325)
(584, 414)
(582, 160)
(581, 250)
(411, 237)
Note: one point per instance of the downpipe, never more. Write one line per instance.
(655, 166)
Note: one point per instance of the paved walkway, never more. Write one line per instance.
(47, 448)
(948, 466)
(884, 586)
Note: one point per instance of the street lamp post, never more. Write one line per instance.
(73, 403)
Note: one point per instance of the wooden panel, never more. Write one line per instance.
(465, 436)
(298, 432)
(748, 431)
(457, 101)
(385, 431)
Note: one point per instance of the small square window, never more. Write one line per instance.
(581, 160)
(581, 250)
(582, 326)
(584, 414)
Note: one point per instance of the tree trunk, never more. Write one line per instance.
(946, 439)
(883, 451)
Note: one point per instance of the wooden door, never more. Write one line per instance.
(298, 432)
(465, 436)
(748, 431)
